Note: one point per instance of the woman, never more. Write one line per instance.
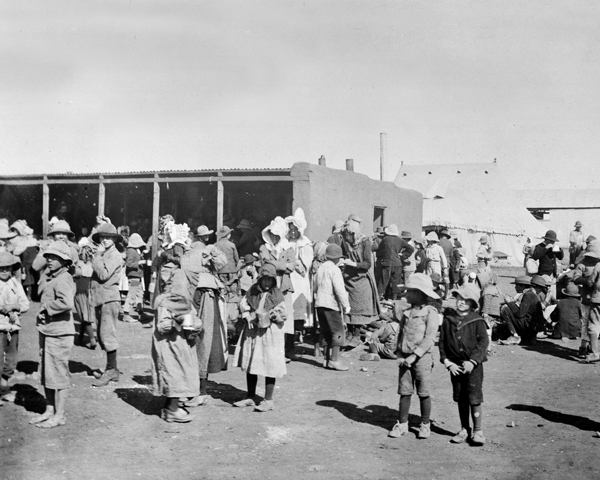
(300, 277)
(364, 304)
(278, 251)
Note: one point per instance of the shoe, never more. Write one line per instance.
(52, 422)
(179, 416)
(339, 366)
(128, 319)
(9, 397)
(370, 357)
(291, 357)
(512, 340)
(197, 401)
(460, 437)
(582, 352)
(478, 438)
(288, 360)
(247, 402)
(398, 430)
(592, 358)
(265, 406)
(107, 377)
(424, 431)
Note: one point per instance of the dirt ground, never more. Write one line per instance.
(326, 425)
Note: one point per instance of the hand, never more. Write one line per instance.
(467, 367)
(350, 263)
(347, 310)
(454, 369)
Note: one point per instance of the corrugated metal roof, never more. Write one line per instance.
(559, 198)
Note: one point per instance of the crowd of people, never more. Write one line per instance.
(394, 295)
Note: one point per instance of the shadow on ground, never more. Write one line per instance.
(582, 423)
(29, 398)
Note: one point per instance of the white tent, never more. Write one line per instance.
(471, 200)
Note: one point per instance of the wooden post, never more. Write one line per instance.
(101, 197)
(155, 216)
(220, 204)
(45, 207)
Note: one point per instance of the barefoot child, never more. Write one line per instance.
(418, 328)
(260, 349)
(55, 324)
(13, 301)
(463, 346)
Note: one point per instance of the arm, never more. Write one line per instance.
(64, 294)
(442, 342)
(406, 250)
(478, 354)
(366, 253)
(132, 259)
(39, 262)
(539, 251)
(339, 290)
(106, 266)
(431, 328)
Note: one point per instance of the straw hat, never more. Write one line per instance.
(223, 231)
(406, 235)
(421, 282)
(522, 280)
(6, 233)
(572, 290)
(391, 230)
(107, 230)
(245, 224)
(135, 241)
(203, 230)
(61, 227)
(60, 249)
(469, 292)
(7, 259)
(432, 237)
(539, 281)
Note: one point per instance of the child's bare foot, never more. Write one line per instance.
(42, 418)
(53, 421)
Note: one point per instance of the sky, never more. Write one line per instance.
(107, 86)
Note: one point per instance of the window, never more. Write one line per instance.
(378, 217)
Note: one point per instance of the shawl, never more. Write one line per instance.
(176, 297)
(274, 297)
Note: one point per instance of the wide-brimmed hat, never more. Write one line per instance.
(379, 230)
(590, 238)
(423, 283)
(203, 230)
(484, 239)
(61, 227)
(223, 231)
(406, 235)
(578, 224)
(550, 235)
(6, 233)
(522, 280)
(432, 237)
(249, 259)
(135, 241)
(436, 278)
(244, 224)
(7, 259)
(469, 292)
(107, 230)
(572, 290)
(392, 230)
(337, 226)
(333, 252)
(21, 227)
(539, 281)
(445, 232)
(60, 249)
(592, 249)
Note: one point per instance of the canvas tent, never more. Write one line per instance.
(471, 200)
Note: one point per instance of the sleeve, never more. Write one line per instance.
(528, 303)
(305, 255)
(539, 251)
(339, 289)
(132, 259)
(64, 294)
(442, 341)
(443, 258)
(478, 354)
(236, 256)
(105, 266)
(22, 298)
(39, 262)
(431, 329)
(366, 254)
(406, 250)
(591, 280)
(560, 254)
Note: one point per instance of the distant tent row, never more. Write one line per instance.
(471, 200)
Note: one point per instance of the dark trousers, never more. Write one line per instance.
(526, 327)
(8, 353)
(391, 277)
(332, 326)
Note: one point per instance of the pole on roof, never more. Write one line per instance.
(155, 213)
(45, 207)
(101, 196)
(382, 156)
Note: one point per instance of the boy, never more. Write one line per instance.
(463, 346)
(382, 342)
(13, 301)
(134, 271)
(106, 298)
(417, 331)
(57, 331)
(582, 273)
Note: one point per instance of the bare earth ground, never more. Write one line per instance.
(327, 425)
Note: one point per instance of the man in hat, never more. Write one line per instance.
(393, 252)
(228, 273)
(202, 237)
(106, 298)
(409, 265)
(448, 248)
(436, 258)
(575, 242)
(581, 276)
(525, 317)
(59, 232)
(548, 252)
(246, 244)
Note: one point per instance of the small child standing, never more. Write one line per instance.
(260, 349)
(463, 345)
(13, 301)
(134, 270)
(418, 328)
(56, 327)
(83, 279)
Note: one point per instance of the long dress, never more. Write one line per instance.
(301, 281)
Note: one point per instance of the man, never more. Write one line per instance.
(447, 247)
(575, 243)
(392, 251)
(524, 317)
(547, 253)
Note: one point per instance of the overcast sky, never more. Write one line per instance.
(89, 86)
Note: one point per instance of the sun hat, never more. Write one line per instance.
(249, 259)
(432, 237)
(445, 233)
(244, 224)
(7, 259)
(484, 239)
(392, 230)
(590, 238)
(6, 233)
(202, 231)
(550, 235)
(578, 224)
(333, 252)
(539, 281)
(572, 290)
(423, 283)
(61, 227)
(406, 235)
(436, 278)
(522, 280)
(223, 231)
(60, 249)
(107, 230)
(337, 226)
(593, 249)
(21, 227)
(469, 292)
(135, 241)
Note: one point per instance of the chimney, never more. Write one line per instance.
(322, 161)
(382, 156)
(350, 164)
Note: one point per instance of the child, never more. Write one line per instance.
(13, 301)
(56, 327)
(134, 270)
(83, 277)
(416, 338)
(567, 314)
(463, 346)
(247, 273)
(382, 342)
(331, 299)
(484, 252)
(260, 349)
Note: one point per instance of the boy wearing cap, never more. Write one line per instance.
(463, 346)
(581, 275)
(13, 302)
(134, 271)
(331, 302)
(392, 251)
(55, 324)
(106, 298)
(416, 337)
(547, 253)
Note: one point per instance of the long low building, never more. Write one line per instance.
(210, 197)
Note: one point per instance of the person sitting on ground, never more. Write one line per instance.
(463, 345)
(547, 253)
(382, 342)
(568, 314)
(417, 331)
